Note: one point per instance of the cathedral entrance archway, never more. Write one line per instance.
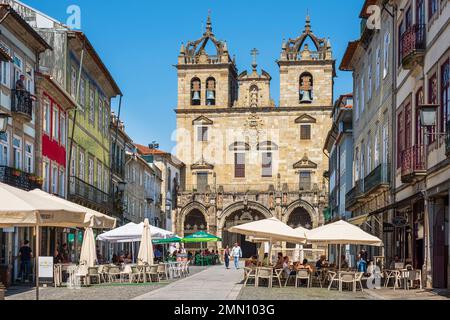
(236, 218)
(299, 217)
(194, 222)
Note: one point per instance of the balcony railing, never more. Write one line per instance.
(354, 195)
(22, 103)
(377, 179)
(19, 179)
(80, 190)
(447, 139)
(413, 163)
(413, 45)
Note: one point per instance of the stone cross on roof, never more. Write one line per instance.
(254, 53)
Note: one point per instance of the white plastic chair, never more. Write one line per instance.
(303, 275)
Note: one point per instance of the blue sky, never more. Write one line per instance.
(139, 41)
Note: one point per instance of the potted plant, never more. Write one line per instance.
(32, 178)
(39, 181)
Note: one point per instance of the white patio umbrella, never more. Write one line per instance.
(271, 229)
(132, 232)
(299, 253)
(96, 219)
(19, 208)
(88, 255)
(145, 255)
(342, 233)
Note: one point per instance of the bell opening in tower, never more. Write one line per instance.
(306, 88)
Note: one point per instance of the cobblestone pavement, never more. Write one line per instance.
(96, 292)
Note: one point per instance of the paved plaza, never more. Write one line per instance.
(216, 283)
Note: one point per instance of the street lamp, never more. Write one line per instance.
(121, 186)
(3, 122)
(428, 114)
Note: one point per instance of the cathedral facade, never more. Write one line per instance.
(246, 158)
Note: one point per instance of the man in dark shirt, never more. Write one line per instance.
(25, 254)
(20, 83)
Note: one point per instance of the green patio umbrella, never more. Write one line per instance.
(167, 241)
(200, 237)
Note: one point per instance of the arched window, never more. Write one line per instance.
(306, 92)
(254, 95)
(267, 149)
(211, 92)
(196, 92)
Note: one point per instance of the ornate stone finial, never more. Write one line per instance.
(183, 48)
(308, 21)
(254, 53)
(208, 22)
(284, 45)
(225, 46)
(328, 43)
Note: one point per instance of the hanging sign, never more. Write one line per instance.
(400, 221)
(388, 227)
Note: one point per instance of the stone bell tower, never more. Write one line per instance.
(206, 79)
(306, 73)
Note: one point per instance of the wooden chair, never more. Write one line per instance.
(303, 274)
(249, 273)
(264, 273)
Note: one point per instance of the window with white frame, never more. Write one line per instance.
(82, 92)
(4, 149)
(46, 117)
(46, 175)
(55, 123)
(29, 75)
(99, 175)
(55, 178)
(18, 67)
(5, 68)
(17, 152)
(378, 68)
(100, 114)
(362, 97)
(369, 154)
(62, 183)
(356, 101)
(356, 164)
(92, 106)
(62, 126)
(91, 171)
(29, 158)
(105, 180)
(377, 147)
(106, 121)
(73, 162)
(387, 41)
(82, 165)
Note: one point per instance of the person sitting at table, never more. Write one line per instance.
(361, 264)
(321, 263)
(287, 268)
(57, 257)
(396, 260)
(305, 265)
(279, 264)
(128, 259)
(344, 262)
(266, 260)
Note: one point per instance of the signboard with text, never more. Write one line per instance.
(46, 269)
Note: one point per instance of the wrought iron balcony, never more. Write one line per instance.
(377, 180)
(413, 45)
(89, 195)
(19, 179)
(355, 195)
(22, 104)
(413, 163)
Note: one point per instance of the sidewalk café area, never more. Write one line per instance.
(272, 268)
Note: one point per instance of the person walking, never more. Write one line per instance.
(226, 257)
(25, 254)
(237, 254)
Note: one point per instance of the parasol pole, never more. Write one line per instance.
(36, 267)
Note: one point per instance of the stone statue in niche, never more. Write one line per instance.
(271, 201)
(254, 96)
(220, 201)
(285, 199)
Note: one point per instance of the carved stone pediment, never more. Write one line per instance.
(305, 119)
(202, 120)
(305, 163)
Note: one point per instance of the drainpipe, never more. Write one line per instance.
(112, 191)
